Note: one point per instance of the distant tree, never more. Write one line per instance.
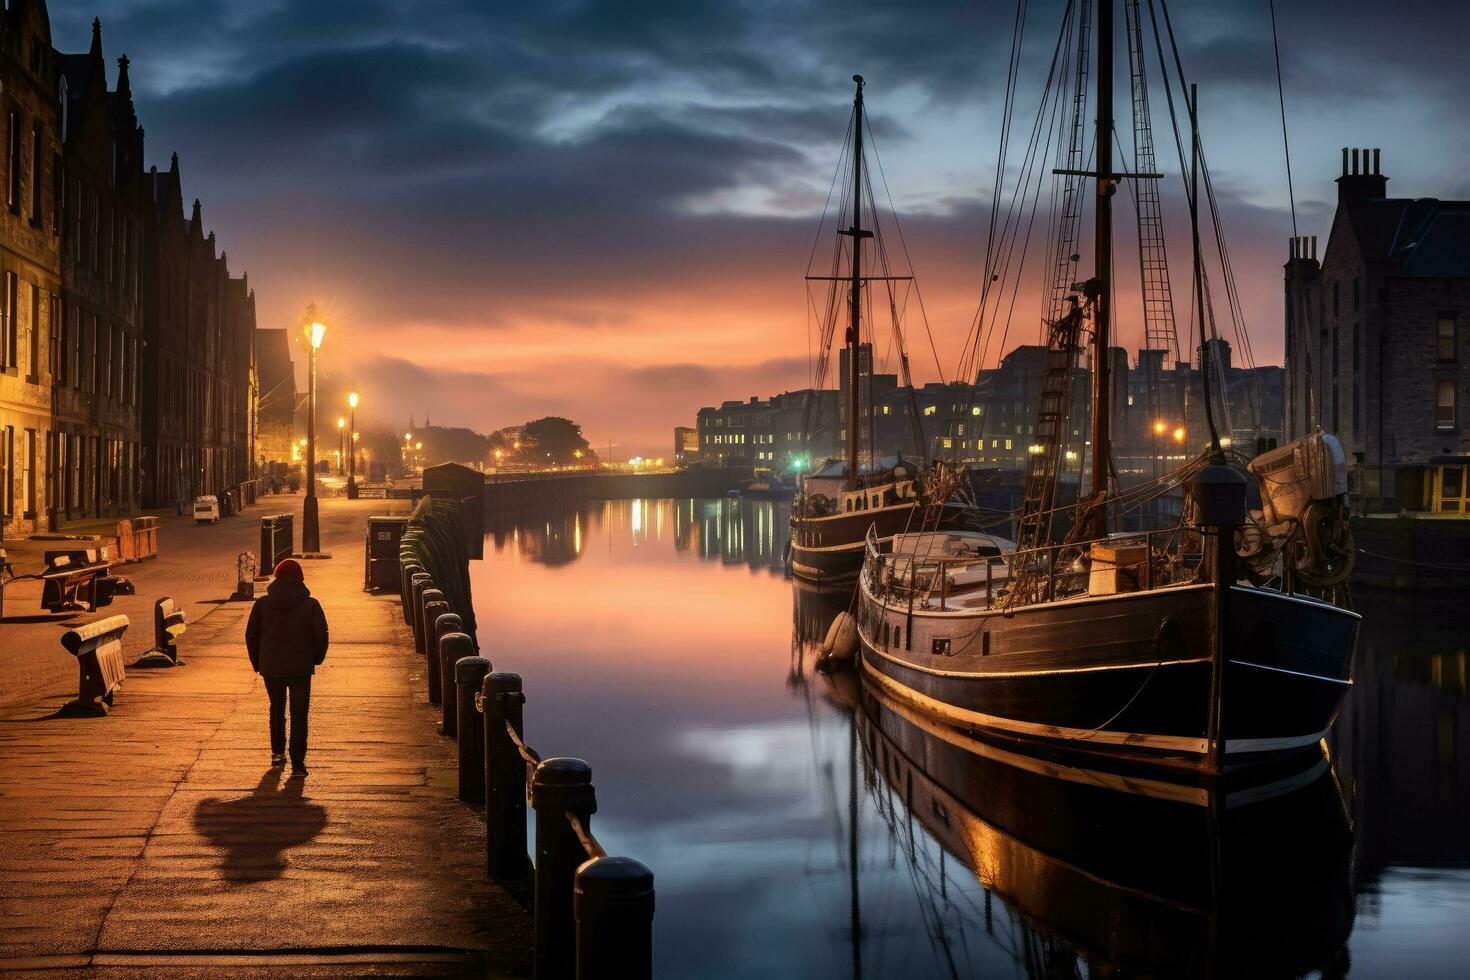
(554, 441)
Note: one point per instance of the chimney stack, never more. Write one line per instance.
(1362, 178)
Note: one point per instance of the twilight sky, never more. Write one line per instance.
(604, 209)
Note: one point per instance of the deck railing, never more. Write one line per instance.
(920, 579)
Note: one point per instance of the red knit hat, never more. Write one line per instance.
(290, 568)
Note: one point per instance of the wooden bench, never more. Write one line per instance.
(75, 577)
(98, 649)
(168, 626)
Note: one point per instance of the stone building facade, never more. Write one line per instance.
(30, 282)
(1376, 345)
(96, 461)
(127, 350)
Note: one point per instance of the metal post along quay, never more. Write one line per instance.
(613, 905)
(469, 677)
(502, 702)
(560, 790)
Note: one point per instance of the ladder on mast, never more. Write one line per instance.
(1073, 186)
(1044, 458)
(1160, 332)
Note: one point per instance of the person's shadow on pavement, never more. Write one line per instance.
(255, 831)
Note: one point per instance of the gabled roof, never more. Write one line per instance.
(1421, 237)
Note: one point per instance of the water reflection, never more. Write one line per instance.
(729, 530)
(799, 827)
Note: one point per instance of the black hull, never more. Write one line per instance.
(830, 550)
(1127, 674)
(1146, 877)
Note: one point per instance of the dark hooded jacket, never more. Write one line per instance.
(287, 632)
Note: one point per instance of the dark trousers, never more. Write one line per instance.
(299, 689)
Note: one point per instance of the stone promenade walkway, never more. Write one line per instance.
(157, 840)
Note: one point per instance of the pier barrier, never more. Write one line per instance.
(452, 648)
(469, 676)
(592, 919)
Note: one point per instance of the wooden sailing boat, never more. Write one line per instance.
(842, 502)
(1146, 644)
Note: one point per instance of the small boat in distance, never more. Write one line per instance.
(767, 484)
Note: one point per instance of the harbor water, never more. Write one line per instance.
(800, 827)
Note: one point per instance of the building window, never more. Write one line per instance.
(58, 341)
(12, 135)
(28, 474)
(1444, 405)
(7, 461)
(1445, 337)
(58, 192)
(33, 364)
(38, 139)
(7, 323)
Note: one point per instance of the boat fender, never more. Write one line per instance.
(842, 641)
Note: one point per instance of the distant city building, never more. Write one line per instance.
(686, 445)
(276, 401)
(1158, 416)
(1376, 348)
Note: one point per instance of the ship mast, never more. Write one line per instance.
(1103, 247)
(854, 400)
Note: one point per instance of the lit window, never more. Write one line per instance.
(975, 410)
(1446, 337)
(885, 409)
(930, 409)
(1444, 405)
(947, 443)
(1008, 444)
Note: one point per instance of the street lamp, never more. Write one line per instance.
(352, 460)
(341, 444)
(311, 538)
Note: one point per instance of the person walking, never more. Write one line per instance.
(287, 640)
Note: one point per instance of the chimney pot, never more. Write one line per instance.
(1314, 248)
(1355, 160)
(1376, 152)
(1344, 161)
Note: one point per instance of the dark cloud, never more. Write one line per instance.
(574, 163)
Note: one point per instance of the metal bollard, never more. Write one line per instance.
(452, 648)
(433, 609)
(614, 909)
(416, 587)
(559, 786)
(406, 571)
(428, 643)
(469, 675)
(505, 779)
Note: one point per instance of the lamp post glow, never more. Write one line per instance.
(311, 537)
(352, 446)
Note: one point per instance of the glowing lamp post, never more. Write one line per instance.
(352, 460)
(341, 444)
(311, 537)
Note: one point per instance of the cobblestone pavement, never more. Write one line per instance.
(158, 839)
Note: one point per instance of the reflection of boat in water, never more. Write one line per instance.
(1135, 875)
